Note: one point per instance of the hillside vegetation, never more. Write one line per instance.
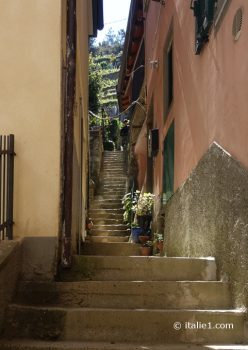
(104, 66)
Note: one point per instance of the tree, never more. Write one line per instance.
(92, 45)
(120, 37)
(94, 85)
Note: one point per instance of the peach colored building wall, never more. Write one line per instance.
(210, 90)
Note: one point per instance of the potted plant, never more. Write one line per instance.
(129, 202)
(143, 209)
(136, 231)
(159, 242)
(145, 236)
(146, 249)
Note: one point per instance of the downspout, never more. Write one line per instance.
(69, 134)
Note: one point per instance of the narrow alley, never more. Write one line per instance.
(123, 175)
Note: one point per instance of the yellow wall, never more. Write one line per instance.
(30, 71)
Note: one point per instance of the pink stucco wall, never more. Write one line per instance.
(210, 90)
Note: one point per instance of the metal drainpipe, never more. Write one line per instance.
(69, 135)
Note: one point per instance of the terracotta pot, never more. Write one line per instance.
(160, 246)
(146, 251)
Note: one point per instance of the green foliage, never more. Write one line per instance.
(94, 85)
(158, 237)
(109, 145)
(145, 204)
(104, 65)
(129, 202)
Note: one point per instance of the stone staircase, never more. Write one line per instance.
(109, 235)
(111, 301)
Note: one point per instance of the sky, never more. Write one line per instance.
(115, 16)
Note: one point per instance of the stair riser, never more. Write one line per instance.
(140, 269)
(112, 187)
(109, 227)
(104, 222)
(109, 215)
(108, 233)
(109, 239)
(102, 216)
(107, 205)
(110, 250)
(106, 193)
(108, 197)
(110, 182)
(120, 325)
(108, 201)
(128, 295)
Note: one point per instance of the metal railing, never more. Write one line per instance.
(6, 186)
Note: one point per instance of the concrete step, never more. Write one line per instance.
(103, 221)
(130, 268)
(114, 227)
(108, 164)
(109, 201)
(113, 176)
(98, 232)
(127, 295)
(112, 181)
(110, 249)
(107, 192)
(106, 205)
(104, 214)
(109, 171)
(109, 185)
(21, 344)
(116, 325)
(114, 169)
(107, 239)
(109, 197)
(113, 163)
(110, 213)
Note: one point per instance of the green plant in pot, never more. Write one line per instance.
(129, 202)
(143, 209)
(159, 242)
(136, 231)
(145, 236)
(146, 249)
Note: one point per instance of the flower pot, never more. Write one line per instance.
(160, 246)
(146, 251)
(143, 239)
(135, 233)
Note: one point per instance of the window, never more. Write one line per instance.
(204, 16)
(168, 76)
(220, 9)
(168, 171)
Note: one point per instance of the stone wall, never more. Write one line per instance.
(10, 268)
(96, 152)
(39, 258)
(208, 216)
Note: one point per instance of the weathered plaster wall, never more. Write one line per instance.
(39, 258)
(10, 268)
(208, 216)
(81, 138)
(30, 70)
(210, 90)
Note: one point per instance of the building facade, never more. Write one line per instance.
(191, 148)
(44, 103)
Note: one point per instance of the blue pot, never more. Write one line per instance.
(135, 232)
